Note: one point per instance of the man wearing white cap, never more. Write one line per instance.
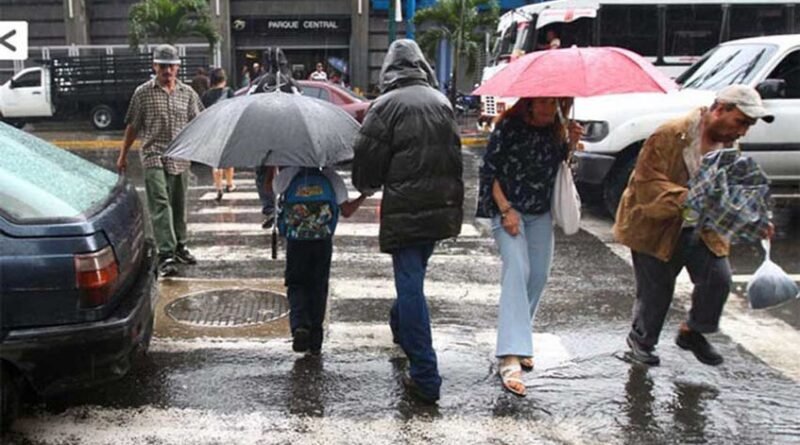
(651, 221)
(159, 109)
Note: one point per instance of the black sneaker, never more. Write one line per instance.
(267, 224)
(219, 196)
(641, 353)
(700, 347)
(301, 340)
(416, 392)
(183, 255)
(167, 267)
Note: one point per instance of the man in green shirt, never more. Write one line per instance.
(159, 109)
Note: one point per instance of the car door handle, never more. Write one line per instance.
(37, 93)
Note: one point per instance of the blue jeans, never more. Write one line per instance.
(264, 177)
(409, 317)
(526, 266)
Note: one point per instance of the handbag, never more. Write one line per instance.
(565, 205)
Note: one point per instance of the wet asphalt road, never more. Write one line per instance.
(245, 386)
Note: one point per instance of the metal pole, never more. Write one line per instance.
(392, 26)
(411, 7)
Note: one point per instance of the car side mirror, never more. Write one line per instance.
(772, 89)
(13, 84)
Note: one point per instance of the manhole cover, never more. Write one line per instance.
(229, 308)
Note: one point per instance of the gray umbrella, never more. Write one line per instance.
(277, 129)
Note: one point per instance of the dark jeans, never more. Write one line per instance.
(264, 176)
(655, 285)
(409, 317)
(308, 267)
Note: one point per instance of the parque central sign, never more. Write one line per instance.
(296, 25)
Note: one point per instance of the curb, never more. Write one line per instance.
(466, 142)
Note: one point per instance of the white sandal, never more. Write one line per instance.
(506, 376)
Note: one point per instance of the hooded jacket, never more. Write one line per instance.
(409, 145)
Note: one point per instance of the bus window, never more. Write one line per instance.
(631, 27)
(758, 20)
(691, 30)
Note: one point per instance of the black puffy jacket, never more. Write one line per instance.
(409, 145)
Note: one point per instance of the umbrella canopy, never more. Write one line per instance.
(277, 129)
(577, 72)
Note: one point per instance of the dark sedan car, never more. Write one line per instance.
(77, 280)
(354, 104)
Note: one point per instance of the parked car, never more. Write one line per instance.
(617, 125)
(77, 274)
(354, 104)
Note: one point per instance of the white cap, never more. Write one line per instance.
(747, 100)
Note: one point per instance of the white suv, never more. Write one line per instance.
(617, 125)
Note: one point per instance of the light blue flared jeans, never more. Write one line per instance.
(526, 265)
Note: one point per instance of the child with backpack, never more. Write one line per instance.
(310, 204)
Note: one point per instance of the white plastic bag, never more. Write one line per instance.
(565, 205)
(770, 285)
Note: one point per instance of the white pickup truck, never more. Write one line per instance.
(618, 125)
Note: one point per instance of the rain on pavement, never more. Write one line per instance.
(244, 385)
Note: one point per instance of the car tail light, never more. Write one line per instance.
(95, 276)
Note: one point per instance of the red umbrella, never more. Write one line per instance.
(577, 72)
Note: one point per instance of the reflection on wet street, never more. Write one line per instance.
(199, 385)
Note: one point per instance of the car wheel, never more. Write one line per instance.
(615, 185)
(9, 397)
(103, 117)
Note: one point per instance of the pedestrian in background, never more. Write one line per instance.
(516, 187)
(663, 238)
(277, 78)
(200, 82)
(311, 200)
(159, 109)
(409, 144)
(245, 76)
(219, 91)
(319, 74)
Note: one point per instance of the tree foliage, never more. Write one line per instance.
(167, 21)
(463, 23)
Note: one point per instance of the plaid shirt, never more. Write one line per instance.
(158, 116)
(729, 193)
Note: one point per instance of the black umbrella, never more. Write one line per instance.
(278, 129)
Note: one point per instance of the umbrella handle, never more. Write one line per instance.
(274, 243)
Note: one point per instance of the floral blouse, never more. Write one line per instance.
(524, 159)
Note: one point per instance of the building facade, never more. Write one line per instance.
(349, 36)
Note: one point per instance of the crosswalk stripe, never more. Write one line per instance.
(341, 336)
(367, 230)
(252, 196)
(249, 210)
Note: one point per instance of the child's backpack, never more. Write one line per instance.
(308, 208)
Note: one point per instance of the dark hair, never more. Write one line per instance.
(218, 76)
(201, 71)
(524, 106)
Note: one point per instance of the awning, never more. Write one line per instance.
(566, 15)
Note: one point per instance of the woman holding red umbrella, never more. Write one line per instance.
(516, 186)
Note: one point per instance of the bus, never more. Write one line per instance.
(672, 34)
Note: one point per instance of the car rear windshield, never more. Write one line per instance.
(41, 181)
(727, 65)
